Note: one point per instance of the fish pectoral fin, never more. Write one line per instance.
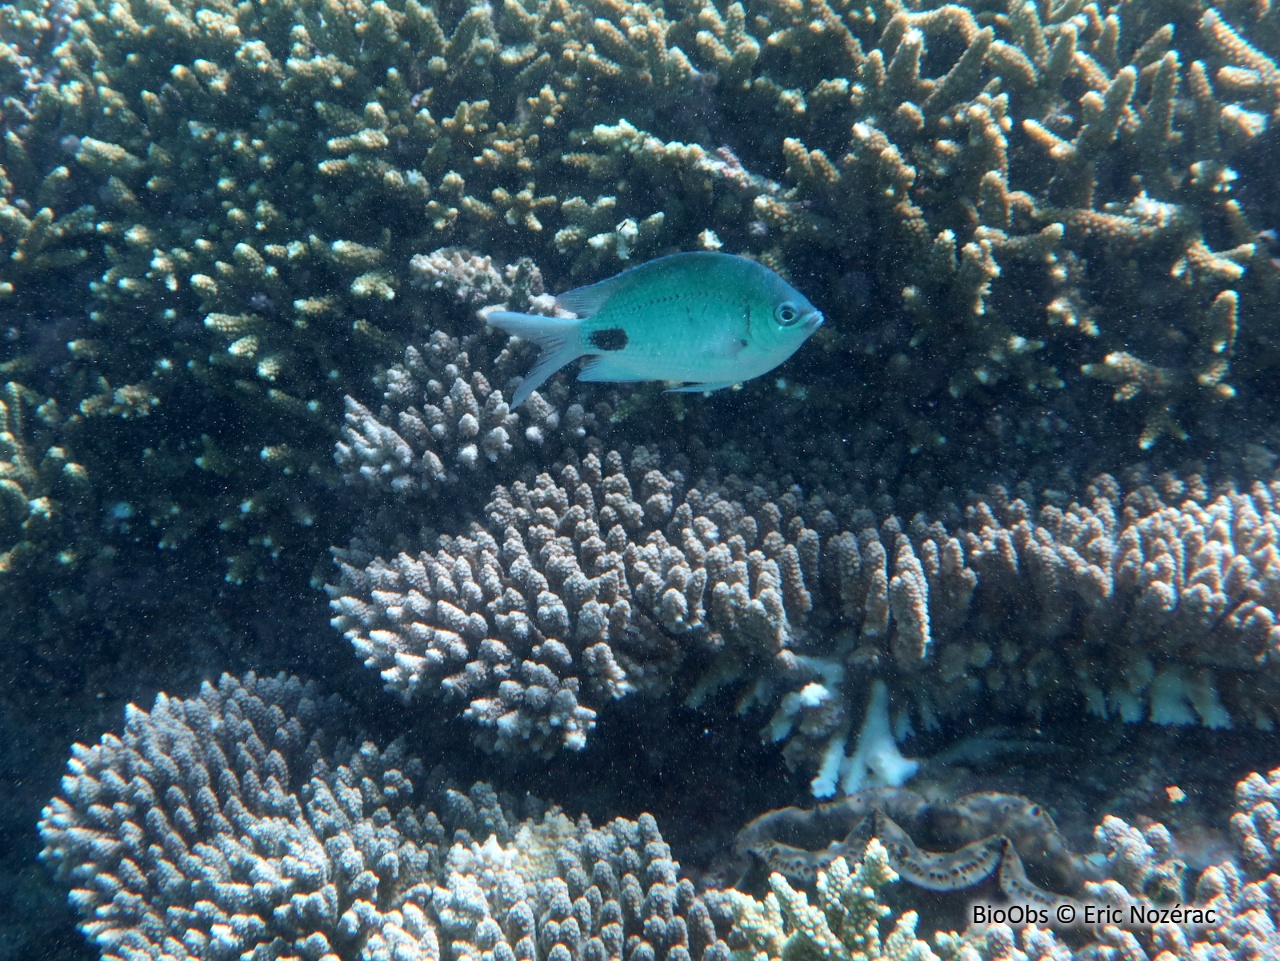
(700, 388)
(725, 347)
(605, 368)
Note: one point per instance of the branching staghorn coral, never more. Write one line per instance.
(1256, 823)
(241, 821)
(238, 822)
(844, 923)
(575, 593)
(34, 237)
(990, 183)
(34, 485)
(444, 414)
(531, 618)
(1242, 67)
(442, 420)
(245, 194)
(577, 893)
(616, 580)
(231, 821)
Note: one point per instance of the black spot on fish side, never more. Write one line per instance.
(610, 338)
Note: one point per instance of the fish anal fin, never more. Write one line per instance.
(605, 368)
(700, 388)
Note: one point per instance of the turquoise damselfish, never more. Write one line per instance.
(708, 319)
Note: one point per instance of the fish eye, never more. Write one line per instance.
(786, 314)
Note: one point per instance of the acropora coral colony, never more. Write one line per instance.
(239, 824)
(228, 198)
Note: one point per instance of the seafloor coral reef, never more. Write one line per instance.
(618, 578)
(1043, 234)
(241, 823)
(1037, 194)
(233, 824)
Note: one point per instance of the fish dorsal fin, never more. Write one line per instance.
(586, 301)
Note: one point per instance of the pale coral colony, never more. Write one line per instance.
(246, 250)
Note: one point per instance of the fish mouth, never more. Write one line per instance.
(814, 321)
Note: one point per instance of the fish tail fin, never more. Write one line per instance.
(557, 337)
